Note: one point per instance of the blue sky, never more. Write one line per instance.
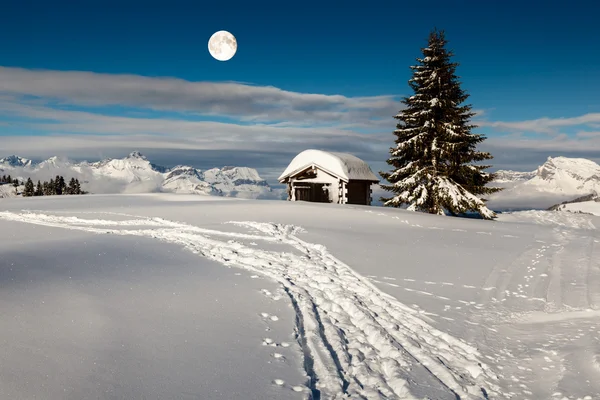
(91, 79)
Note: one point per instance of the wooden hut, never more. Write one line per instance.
(325, 177)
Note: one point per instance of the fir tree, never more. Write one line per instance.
(62, 185)
(8, 179)
(29, 189)
(57, 185)
(71, 187)
(432, 161)
(78, 188)
(38, 189)
(51, 187)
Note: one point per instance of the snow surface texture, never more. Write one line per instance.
(472, 309)
(345, 166)
(135, 174)
(558, 179)
(590, 207)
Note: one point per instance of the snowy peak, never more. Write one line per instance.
(133, 168)
(53, 162)
(235, 178)
(558, 180)
(183, 171)
(572, 176)
(136, 155)
(579, 169)
(14, 161)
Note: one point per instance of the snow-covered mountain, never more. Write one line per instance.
(558, 179)
(136, 174)
(12, 162)
(512, 177)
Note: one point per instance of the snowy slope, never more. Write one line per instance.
(136, 174)
(590, 207)
(558, 179)
(471, 309)
(6, 190)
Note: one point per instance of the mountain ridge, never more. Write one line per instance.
(136, 174)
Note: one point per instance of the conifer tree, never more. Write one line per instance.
(29, 189)
(57, 185)
(38, 189)
(51, 187)
(78, 187)
(433, 160)
(71, 187)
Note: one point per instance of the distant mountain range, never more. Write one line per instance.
(135, 174)
(559, 179)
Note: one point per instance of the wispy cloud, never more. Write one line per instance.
(243, 101)
(544, 125)
(73, 114)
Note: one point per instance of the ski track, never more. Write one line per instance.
(548, 347)
(357, 341)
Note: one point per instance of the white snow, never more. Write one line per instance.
(591, 207)
(385, 303)
(343, 165)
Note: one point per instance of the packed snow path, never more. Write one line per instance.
(358, 342)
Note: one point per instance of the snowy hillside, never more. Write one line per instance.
(558, 179)
(181, 296)
(136, 174)
(6, 190)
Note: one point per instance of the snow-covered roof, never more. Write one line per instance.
(343, 165)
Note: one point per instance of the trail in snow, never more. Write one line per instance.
(547, 347)
(358, 342)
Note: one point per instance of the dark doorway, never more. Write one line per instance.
(358, 192)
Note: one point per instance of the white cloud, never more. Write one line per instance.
(244, 101)
(543, 125)
(270, 121)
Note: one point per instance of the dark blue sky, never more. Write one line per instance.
(520, 61)
(524, 59)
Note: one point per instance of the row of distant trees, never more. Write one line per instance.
(56, 186)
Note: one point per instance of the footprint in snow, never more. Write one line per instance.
(279, 382)
(278, 356)
(269, 316)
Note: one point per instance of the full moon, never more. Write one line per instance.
(222, 45)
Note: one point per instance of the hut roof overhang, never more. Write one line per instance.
(341, 165)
